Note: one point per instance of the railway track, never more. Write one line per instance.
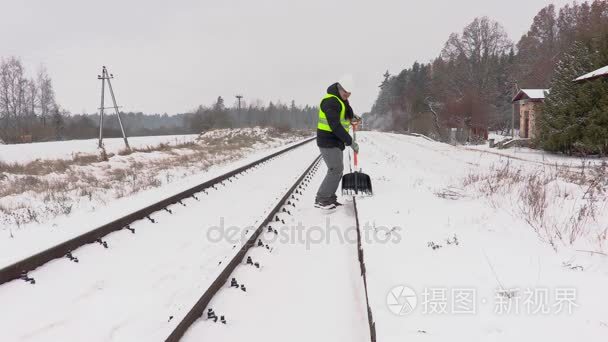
(236, 270)
(283, 206)
(209, 275)
(21, 269)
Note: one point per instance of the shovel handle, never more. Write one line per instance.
(356, 160)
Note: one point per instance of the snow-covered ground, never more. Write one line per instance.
(460, 245)
(57, 206)
(481, 265)
(23, 153)
(144, 283)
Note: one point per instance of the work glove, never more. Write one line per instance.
(355, 120)
(355, 146)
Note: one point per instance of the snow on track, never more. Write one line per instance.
(131, 290)
(308, 289)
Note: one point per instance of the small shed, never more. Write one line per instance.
(529, 101)
(599, 73)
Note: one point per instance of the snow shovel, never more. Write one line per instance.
(356, 183)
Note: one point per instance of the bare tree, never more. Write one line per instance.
(12, 96)
(30, 104)
(476, 51)
(23, 101)
(479, 57)
(434, 107)
(46, 95)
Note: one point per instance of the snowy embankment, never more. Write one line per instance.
(46, 201)
(493, 248)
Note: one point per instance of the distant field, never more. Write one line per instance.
(22, 153)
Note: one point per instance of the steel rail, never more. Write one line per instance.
(198, 309)
(370, 317)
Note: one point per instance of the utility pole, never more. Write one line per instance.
(103, 87)
(239, 98)
(105, 75)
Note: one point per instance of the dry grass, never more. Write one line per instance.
(85, 159)
(162, 147)
(63, 184)
(36, 167)
(44, 167)
(450, 193)
(546, 200)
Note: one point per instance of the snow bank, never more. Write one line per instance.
(255, 132)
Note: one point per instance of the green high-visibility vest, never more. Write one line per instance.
(324, 125)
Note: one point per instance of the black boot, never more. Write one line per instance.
(325, 206)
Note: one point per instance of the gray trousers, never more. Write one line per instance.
(335, 166)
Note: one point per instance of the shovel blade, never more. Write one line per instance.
(356, 184)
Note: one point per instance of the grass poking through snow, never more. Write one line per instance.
(42, 189)
(561, 204)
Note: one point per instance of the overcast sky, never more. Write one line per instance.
(171, 56)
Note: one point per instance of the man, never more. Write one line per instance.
(335, 119)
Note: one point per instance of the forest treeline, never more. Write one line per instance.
(217, 115)
(469, 86)
(29, 112)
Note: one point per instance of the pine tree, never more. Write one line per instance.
(596, 132)
(386, 80)
(575, 115)
(560, 120)
(219, 105)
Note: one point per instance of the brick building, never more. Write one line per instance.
(529, 101)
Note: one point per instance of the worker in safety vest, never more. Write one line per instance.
(335, 118)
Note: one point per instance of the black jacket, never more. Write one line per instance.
(338, 137)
